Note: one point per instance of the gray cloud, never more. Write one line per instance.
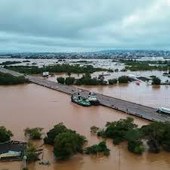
(78, 25)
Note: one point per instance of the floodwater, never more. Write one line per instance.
(34, 106)
(154, 96)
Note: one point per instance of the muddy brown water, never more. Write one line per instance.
(155, 96)
(31, 106)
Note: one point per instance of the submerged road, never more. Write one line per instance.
(127, 107)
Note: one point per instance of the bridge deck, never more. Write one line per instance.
(130, 108)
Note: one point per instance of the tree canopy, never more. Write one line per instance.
(7, 79)
(67, 144)
(98, 148)
(5, 135)
(33, 133)
(156, 81)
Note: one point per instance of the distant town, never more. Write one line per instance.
(107, 54)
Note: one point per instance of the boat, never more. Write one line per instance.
(93, 99)
(163, 110)
(80, 100)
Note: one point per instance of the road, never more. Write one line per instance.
(127, 107)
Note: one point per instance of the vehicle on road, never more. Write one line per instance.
(163, 110)
(93, 99)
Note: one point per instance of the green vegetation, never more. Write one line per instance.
(51, 134)
(33, 133)
(98, 148)
(156, 81)
(69, 80)
(84, 80)
(31, 153)
(61, 80)
(112, 81)
(58, 68)
(25, 169)
(5, 135)
(87, 80)
(124, 130)
(123, 79)
(7, 79)
(118, 130)
(157, 135)
(134, 65)
(66, 141)
(67, 144)
(10, 62)
(94, 129)
(136, 146)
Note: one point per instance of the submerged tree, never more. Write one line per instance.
(33, 133)
(67, 144)
(123, 79)
(158, 135)
(69, 80)
(136, 146)
(112, 81)
(5, 135)
(98, 148)
(51, 134)
(7, 79)
(31, 153)
(118, 130)
(156, 81)
(61, 80)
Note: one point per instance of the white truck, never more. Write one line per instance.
(163, 110)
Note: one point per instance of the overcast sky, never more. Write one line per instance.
(84, 25)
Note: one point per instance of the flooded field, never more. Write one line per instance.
(31, 106)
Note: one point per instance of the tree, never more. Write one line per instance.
(69, 73)
(5, 135)
(112, 81)
(61, 80)
(156, 81)
(98, 148)
(51, 134)
(33, 133)
(154, 146)
(118, 130)
(7, 79)
(69, 80)
(31, 153)
(136, 146)
(158, 135)
(87, 80)
(67, 144)
(94, 129)
(123, 79)
(133, 135)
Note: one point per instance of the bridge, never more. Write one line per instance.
(129, 108)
